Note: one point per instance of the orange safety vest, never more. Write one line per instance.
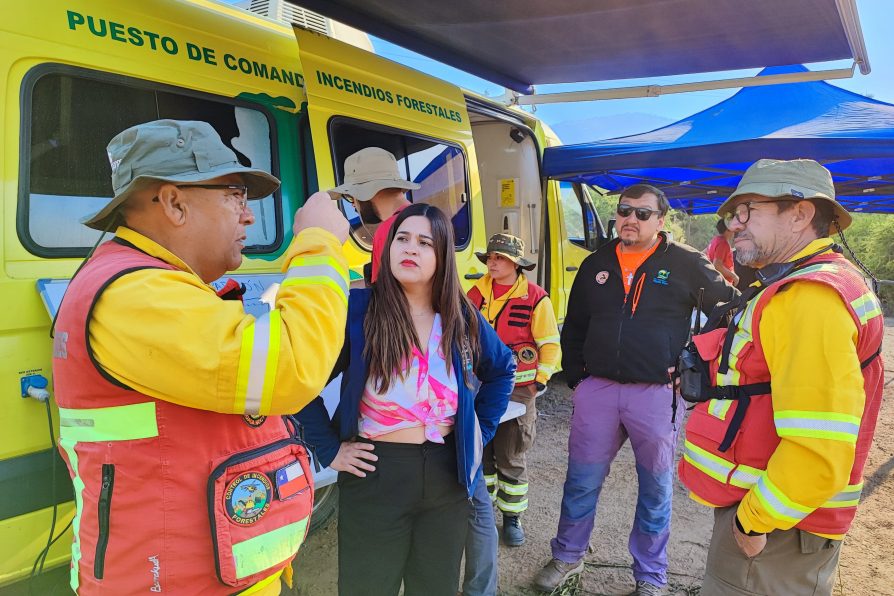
(169, 498)
(722, 462)
(513, 326)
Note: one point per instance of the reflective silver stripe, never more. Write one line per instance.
(514, 489)
(820, 425)
(258, 367)
(744, 478)
(849, 497)
(508, 507)
(866, 307)
(549, 339)
(326, 271)
(715, 469)
(774, 501)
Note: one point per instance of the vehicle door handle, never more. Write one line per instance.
(474, 275)
(571, 268)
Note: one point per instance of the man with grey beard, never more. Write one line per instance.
(628, 318)
(794, 388)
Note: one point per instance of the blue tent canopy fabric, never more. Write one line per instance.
(699, 160)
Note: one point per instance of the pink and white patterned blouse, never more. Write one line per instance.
(425, 395)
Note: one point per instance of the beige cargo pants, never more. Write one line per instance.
(794, 563)
(504, 463)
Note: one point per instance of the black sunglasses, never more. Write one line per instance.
(642, 213)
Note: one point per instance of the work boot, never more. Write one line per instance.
(513, 533)
(644, 588)
(555, 573)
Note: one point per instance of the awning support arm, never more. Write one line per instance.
(513, 98)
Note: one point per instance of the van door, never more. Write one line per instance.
(356, 100)
(580, 233)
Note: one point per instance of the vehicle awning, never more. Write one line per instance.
(520, 43)
(699, 160)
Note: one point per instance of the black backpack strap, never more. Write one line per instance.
(736, 423)
(869, 360)
(742, 395)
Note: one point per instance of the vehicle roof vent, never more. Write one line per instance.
(291, 14)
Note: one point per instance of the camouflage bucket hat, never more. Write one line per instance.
(800, 178)
(172, 151)
(509, 246)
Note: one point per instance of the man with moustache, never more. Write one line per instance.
(628, 318)
(779, 452)
(172, 401)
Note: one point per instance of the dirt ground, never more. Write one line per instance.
(867, 560)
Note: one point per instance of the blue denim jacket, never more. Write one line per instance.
(478, 411)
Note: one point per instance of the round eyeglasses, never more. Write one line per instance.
(742, 212)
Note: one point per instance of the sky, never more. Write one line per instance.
(586, 121)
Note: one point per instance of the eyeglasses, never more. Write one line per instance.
(240, 192)
(642, 213)
(742, 212)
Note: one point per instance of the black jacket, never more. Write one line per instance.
(603, 336)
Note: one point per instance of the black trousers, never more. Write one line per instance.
(406, 521)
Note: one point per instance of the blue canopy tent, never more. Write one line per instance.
(699, 160)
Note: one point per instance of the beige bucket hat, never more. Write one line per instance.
(172, 151)
(800, 178)
(368, 171)
(511, 247)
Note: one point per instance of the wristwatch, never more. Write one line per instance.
(539, 386)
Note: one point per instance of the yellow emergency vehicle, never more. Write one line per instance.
(294, 102)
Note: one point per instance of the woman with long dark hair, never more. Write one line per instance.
(425, 382)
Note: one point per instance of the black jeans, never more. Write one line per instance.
(406, 521)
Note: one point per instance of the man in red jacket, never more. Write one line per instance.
(779, 452)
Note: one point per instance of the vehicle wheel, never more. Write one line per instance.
(325, 504)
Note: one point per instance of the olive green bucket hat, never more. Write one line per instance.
(368, 171)
(172, 151)
(511, 247)
(800, 178)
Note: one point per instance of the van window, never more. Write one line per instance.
(69, 117)
(438, 166)
(572, 213)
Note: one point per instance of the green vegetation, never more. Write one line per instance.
(871, 236)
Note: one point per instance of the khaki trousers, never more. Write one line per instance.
(504, 462)
(794, 563)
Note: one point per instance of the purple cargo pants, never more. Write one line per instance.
(606, 413)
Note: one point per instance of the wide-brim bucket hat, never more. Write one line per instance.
(176, 151)
(511, 247)
(370, 170)
(799, 178)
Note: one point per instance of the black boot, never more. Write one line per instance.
(513, 533)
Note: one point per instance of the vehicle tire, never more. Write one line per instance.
(325, 504)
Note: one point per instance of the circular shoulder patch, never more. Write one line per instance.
(602, 277)
(527, 355)
(247, 497)
(254, 421)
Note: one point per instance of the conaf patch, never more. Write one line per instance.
(247, 497)
(527, 355)
(254, 421)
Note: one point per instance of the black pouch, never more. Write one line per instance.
(693, 373)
